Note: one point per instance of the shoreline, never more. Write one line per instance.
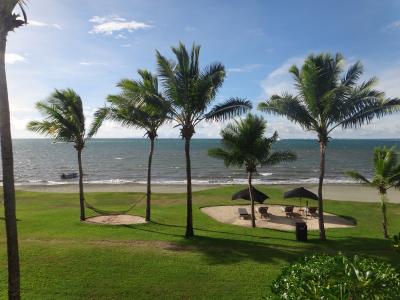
(332, 191)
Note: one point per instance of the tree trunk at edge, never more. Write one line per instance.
(8, 182)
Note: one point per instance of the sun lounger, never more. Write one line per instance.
(243, 214)
(263, 212)
(288, 210)
(312, 211)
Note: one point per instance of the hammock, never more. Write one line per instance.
(106, 212)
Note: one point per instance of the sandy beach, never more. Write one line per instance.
(276, 218)
(342, 192)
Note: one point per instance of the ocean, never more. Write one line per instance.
(118, 161)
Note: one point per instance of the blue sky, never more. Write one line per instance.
(90, 45)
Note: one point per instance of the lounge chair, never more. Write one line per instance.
(243, 214)
(312, 211)
(289, 211)
(263, 212)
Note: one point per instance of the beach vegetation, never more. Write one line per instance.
(327, 98)
(64, 121)
(138, 105)
(190, 92)
(337, 277)
(386, 176)
(244, 145)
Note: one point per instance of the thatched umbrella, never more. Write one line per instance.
(256, 194)
(300, 192)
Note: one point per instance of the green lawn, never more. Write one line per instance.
(62, 258)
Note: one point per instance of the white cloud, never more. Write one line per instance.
(393, 26)
(92, 63)
(127, 45)
(280, 80)
(109, 24)
(43, 24)
(246, 68)
(389, 81)
(12, 58)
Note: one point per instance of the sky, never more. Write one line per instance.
(89, 45)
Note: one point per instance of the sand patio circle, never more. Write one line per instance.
(277, 218)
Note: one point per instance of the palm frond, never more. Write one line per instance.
(63, 117)
(353, 74)
(244, 145)
(99, 116)
(231, 108)
(280, 156)
(358, 177)
(290, 107)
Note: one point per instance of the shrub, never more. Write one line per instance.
(338, 277)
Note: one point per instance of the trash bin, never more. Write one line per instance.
(301, 231)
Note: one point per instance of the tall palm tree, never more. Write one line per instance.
(244, 145)
(387, 175)
(64, 121)
(326, 100)
(190, 91)
(9, 21)
(140, 105)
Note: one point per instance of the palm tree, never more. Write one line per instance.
(190, 91)
(9, 21)
(140, 105)
(64, 121)
(326, 101)
(387, 175)
(244, 145)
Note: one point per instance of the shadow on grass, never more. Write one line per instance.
(231, 249)
(262, 237)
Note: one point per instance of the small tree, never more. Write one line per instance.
(190, 92)
(244, 145)
(387, 175)
(64, 121)
(139, 105)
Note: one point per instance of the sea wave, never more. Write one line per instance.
(234, 181)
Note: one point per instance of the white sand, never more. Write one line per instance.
(277, 218)
(116, 220)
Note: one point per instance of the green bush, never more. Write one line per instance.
(337, 277)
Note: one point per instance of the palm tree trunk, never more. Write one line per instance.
(148, 196)
(320, 199)
(8, 181)
(189, 218)
(384, 221)
(81, 195)
(253, 217)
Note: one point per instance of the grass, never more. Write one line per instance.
(62, 258)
